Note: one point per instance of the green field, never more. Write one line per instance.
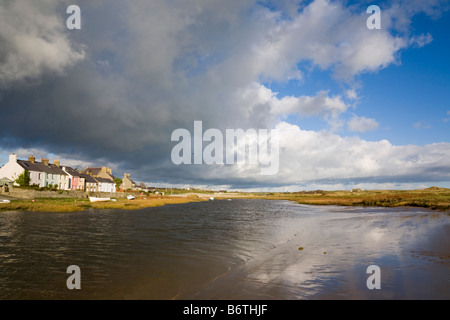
(73, 205)
(434, 198)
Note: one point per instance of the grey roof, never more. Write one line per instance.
(94, 171)
(40, 167)
(58, 170)
(72, 171)
(88, 178)
(104, 180)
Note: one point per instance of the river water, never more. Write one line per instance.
(238, 249)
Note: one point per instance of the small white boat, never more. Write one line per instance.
(5, 201)
(130, 197)
(96, 199)
(211, 199)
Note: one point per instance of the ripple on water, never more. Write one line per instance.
(225, 249)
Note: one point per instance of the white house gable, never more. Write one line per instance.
(11, 170)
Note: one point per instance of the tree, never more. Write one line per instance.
(118, 182)
(24, 179)
(142, 185)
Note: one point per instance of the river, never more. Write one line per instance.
(237, 249)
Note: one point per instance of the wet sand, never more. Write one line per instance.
(411, 247)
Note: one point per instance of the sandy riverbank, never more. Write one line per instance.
(432, 198)
(73, 205)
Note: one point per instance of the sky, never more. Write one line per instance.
(353, 107)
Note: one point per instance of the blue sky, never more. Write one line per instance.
(409, 99)
(416, 91)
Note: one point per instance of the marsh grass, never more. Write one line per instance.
(74, 205)
(434, 198)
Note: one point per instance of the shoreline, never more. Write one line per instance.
(77, 205)
(430, 198)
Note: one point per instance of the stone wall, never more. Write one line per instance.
(34, 194)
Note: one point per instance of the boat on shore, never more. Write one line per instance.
(96, 199)
(5, 201)
(130, 197)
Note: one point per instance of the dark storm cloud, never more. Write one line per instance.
(136, 80)
(137, 70)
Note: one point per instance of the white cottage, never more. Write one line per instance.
(11, 170)
(42, 173)
(106, 185)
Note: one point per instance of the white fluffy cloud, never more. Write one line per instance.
(331, 37)
(319, 105)
(362, 124)
(421, 40)
(310, 155)
(157, 65)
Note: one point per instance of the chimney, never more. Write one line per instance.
(32, 159)
(13, 158)
(45, 161)
(109, 170)
(56, 162)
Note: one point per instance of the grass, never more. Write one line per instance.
(434, 198)
(73, 205)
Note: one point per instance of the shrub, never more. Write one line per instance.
(24, 179)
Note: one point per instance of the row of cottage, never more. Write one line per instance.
(44, 174)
